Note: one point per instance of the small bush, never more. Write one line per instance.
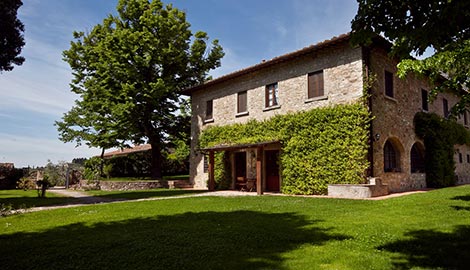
(25, 184)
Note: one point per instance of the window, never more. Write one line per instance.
(242, 102)
(388, 84)
(465, 118)
(315, 85)
(209, 110)
(424, 100)
(206, 164)
(445, 107)
(417, 159)
(391, 158)
(460, 158)
(468, 158)
(272, 95)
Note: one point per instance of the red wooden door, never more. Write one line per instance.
(272, 170)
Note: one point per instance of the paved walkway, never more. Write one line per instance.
(83, 198)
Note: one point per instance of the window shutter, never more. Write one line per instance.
(242, 102)
(315, 85)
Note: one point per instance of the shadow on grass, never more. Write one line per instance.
(147, 194)
(433, 250)
(459, 208)
(462, 198)
(206, 240)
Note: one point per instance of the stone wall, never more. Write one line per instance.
(393, 120)
(131, 185)
(342, 71)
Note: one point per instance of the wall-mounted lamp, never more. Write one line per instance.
(377, 136)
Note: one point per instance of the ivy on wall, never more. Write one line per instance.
(319, 147)
(439, 136)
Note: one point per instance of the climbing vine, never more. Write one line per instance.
(439, 136)
(319, 147)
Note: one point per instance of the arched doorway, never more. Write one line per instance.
(417, 160)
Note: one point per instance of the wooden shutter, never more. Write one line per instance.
(242, 102)
(315, 85)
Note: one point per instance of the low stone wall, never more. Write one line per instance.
(131, 185)
(375, 188)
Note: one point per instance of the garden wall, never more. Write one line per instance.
(132, 185)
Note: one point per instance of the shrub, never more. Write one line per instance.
(92, 168)
(25, 184)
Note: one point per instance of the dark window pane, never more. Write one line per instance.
(445, 107)
(206, 164)
(209, 108)
(389, 84)
(391, 158)
(424, 100)
(271, 95)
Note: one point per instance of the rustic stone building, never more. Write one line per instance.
(328, 73)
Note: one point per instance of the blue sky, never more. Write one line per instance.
(36, 94)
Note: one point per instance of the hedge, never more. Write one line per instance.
(319, 147)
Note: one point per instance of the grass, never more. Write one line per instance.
(421, 231)
(29, 198)
(129, 179)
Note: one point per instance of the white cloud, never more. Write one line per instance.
(27, 150)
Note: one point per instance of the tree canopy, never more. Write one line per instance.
(416, 25)
(11, 35)
(129, 71)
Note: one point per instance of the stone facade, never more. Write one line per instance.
(342, 71)
(343, 75)
(393, 120)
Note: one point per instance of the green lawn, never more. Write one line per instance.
(20, 199)
(421, 231)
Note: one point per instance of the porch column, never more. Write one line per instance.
(259, 161)
(211, 171)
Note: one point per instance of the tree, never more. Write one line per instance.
(11, 38)
(415, 25)
(129, 71)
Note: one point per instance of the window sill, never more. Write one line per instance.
(391, 99)
(241, 114)
(272, 108)
(207, 121)
(315, 99)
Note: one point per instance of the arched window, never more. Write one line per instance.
(417, 158)
(391, 158)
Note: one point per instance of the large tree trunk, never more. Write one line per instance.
(156, 169)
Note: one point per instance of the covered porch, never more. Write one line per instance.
(254, 167)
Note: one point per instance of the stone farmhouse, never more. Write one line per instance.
(330, 72)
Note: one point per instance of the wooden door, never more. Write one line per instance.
(272, 170)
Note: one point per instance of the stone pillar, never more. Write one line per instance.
(211, 171)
